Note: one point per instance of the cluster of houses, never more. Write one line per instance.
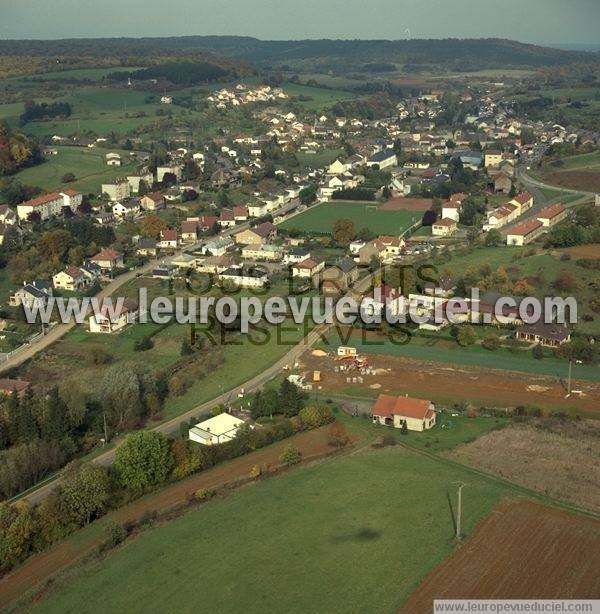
(241, 95)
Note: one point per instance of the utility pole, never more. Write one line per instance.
(105, 428)
(569, 380)
(459, 510)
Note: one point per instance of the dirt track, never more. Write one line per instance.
(521, 550)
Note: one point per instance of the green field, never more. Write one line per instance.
(87, 164)
(321, 218)
(316, 98)
(352, 534)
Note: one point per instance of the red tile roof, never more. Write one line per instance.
(42, 200)
(526, 227)
(551, 211)
(446, 221)
(523, 197)
(106, 254)
(408, 407)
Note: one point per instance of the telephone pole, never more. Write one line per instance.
(459, 510)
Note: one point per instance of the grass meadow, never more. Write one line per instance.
(321, 218)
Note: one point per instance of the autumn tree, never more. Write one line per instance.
(152, 226)
(338, 436)
(343, 231)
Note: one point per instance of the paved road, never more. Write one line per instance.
(60, 330)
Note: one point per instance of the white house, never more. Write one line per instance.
(111, 320)
(215, 430)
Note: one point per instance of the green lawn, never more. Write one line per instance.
(87, 164)
(351, 534)
(321, 218)
(316, 98)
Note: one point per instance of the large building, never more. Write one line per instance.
(215, 430)
(46, 205)
(117, 189)
(525, 232)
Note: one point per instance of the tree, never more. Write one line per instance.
(143, 460)
(316, 415)
(85, 490)
(466, 336)
(290, 456)
(429, 218)
(122, 396)
(493, 238)
(291, 398)
(308, 194)
(152, 226)
(404, 428)
(68, 178)
(565, 281)
(338, 436)
(343, 231)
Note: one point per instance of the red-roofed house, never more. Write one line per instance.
(152, 201)
(416, 414)
(307, 268)
(168, 239)
(552, 215)
(444, 227)
(525, 232)
(108, 259)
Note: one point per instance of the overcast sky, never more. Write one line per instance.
(538, 21)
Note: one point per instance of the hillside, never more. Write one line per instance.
(455, 54)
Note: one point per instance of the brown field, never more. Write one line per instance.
(521, 550)
(559, 458)
(406, 204)
(587, 252)
(444, 383)
(588, 181)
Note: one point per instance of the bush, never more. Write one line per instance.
(491, 342)
(255, 472)
(290, 456)
(143, 344)
(338, 436)
(316, 415)
(538, 352)
(204, 494)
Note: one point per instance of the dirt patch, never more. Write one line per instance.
(588, 181)
(587, 252)
(406, 204)
(559, 458)
(396, 375)
(43, 566)
(521, 550)
(319, 353)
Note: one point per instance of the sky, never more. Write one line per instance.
(535, 21)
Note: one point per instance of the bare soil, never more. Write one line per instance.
(521, 550)
(588, 181)
(406, 204)
(444, 384)
(560, 458)
(587, 252)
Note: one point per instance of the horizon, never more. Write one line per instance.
(572, 23)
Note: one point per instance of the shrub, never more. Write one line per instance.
(538, 352)
(316, 415)
(143, 344)
(204, 494)
(255, 472)
(290, 456)
(491, 342)
(338, 436)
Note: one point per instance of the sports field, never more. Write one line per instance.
(321, 218)
(350, 534)
(87, 164)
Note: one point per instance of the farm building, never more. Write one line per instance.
(416, 414)
(215, 430)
